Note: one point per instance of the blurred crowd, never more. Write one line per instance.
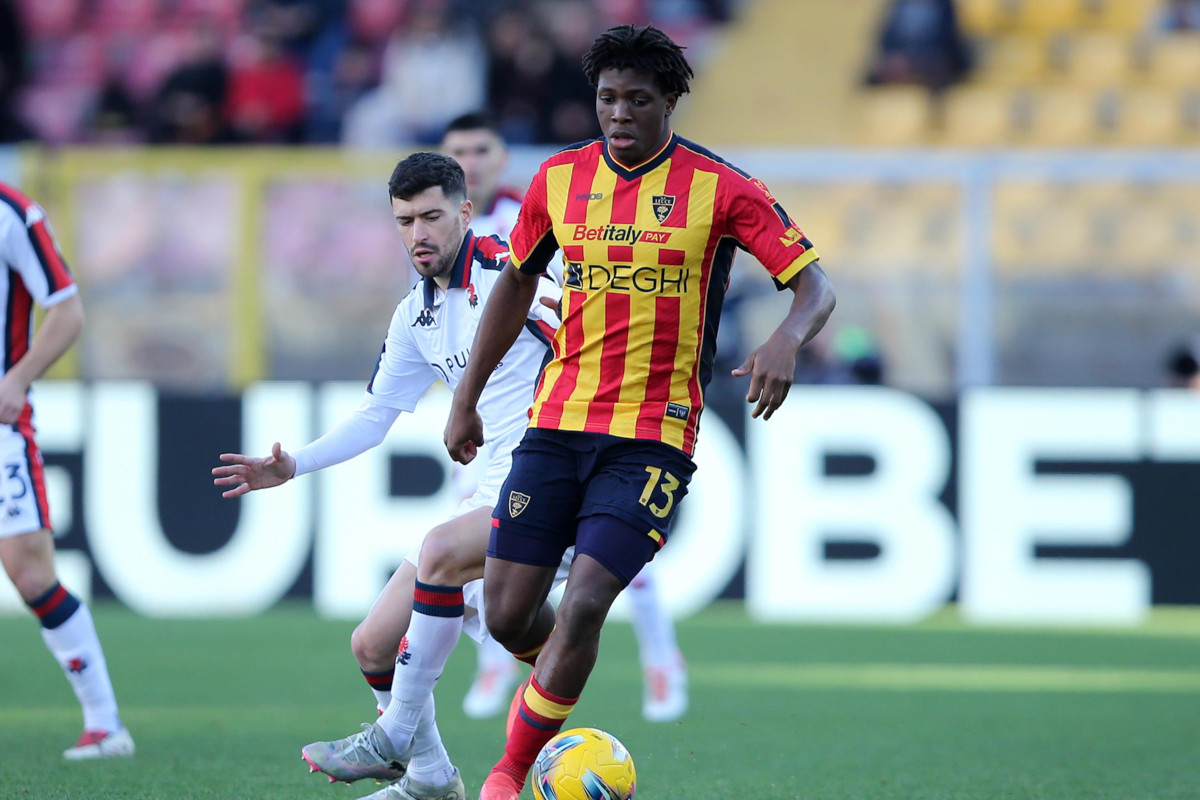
(369, 73)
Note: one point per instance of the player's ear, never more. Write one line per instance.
(466, 211)
(672, 99)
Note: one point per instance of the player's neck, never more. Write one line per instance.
(443, 280)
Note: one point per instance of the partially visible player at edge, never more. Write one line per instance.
(474, 141)
(648, 223)
(37, 273)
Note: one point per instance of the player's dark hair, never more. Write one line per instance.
(473, 121)
(645, 49)
(422, 171)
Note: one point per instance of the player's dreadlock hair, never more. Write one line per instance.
(645, 49)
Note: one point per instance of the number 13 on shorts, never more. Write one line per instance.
(667, 484)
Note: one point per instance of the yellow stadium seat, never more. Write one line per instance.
(977, 116)
(1175, 61)
(1098, 59)
(894, 116)
(1148, 117)
(1014, 60)
(985, 17)
(1125, 16)
(1050, 16)
(1062, 117)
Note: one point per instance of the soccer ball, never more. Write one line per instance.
(584, 764)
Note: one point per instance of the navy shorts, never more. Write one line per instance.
(560, 478)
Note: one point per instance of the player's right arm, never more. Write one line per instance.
(401, 377)
(502, 321)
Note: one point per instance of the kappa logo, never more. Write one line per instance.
(662, 203)
(425, 319)
(517, 502)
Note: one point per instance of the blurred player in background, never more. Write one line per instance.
(434, 594)
(474, 141)
(1183, 367)
(37, 273)
(648, 223)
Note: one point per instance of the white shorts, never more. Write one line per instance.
(488, 471)
(23, 505)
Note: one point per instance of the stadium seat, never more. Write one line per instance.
(1014, 60)
(985, 17)
(1125, 16)
(1147, 117)
(1098, 59)
(1049, 16)
(1061, 117)
(894, 116)
(977, 116)
(1174, 61)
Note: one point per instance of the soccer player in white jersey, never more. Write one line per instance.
(425, 605)
(37, 273)
(474, 141)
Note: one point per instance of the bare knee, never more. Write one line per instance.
(441, 562)
(508, 625)
(580, 619)
(370, 651)
(29, 561)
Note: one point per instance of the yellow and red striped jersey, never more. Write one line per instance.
(646, 257)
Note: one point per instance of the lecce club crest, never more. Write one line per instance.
(662, 203)
(517, 502)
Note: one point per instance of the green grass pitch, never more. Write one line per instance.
(220, 709)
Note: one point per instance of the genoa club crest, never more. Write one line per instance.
(663, 203)
(517, 502)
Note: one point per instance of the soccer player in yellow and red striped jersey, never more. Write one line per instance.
(648, 223)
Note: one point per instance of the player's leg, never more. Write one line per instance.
(376, 640)
(569, 655)
(425, 622)
(451, 555)
(70, 635)
(665, 690)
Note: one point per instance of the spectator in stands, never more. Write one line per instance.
(1180, 15)
(190, 106)
(266, 93)
(520, 58)
(12, 72)
(921, 43)
(569, 115)
(433, 71)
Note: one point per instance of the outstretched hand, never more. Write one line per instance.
(248, 473)
(771, 369)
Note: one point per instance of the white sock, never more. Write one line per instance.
(653, 626)
(382, 696)
(77, 648)
(430, 761)
(437, 621)
(493, 656)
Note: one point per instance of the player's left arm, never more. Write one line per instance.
(756, 219)
(773, 365)
(59, 329)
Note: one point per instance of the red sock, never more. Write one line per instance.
(540, 718)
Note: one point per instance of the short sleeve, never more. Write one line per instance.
(401, 375)
(759, 224)
(532, 243)
(35, 255)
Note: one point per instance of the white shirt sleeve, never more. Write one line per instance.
(402, 375)
(356, 434)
